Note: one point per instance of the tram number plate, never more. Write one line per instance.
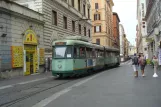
(60, 43)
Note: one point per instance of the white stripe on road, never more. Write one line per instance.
(48, 100)
(22, 83)
(7, 86)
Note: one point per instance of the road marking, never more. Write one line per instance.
(22, 83)
(48, 100)
(7, 86)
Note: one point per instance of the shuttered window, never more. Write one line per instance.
(97, 28)
(97, 17)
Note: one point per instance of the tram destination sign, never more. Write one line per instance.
(60, 43)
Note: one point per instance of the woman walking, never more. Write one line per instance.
(155, 62)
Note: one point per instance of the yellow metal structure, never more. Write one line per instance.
(17, 56)
(41, 52)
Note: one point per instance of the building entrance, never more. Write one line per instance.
(30, 53)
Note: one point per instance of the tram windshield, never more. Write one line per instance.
(62, 52)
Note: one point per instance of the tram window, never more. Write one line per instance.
(69, 52)
(89, 53)
(100, 53)
(82, 52)
(93, 54)
(76, 52)
(53, 52)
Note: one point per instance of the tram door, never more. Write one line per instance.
(29, 63)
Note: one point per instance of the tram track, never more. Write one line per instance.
(24, 97)
(12, 102)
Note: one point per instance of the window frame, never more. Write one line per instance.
(73, 26)
(65, 22)
(96, 6)
(54, 20)
(80, 28)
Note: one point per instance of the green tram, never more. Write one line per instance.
(76, 57)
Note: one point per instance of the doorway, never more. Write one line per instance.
(29, 62)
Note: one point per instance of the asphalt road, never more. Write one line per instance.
(115, 87)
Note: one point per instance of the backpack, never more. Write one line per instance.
(135, 60)
(143, 62)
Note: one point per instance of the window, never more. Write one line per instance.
(63, 52)
(72, 3)
(73, 26)
(97, 28)
(79, 5)
(76, 52)
(54, 17)
(98, 41)
(65, 22)
(82, 52)
(88, 13)
(97, 17)
(84, 9)
(84, 31)
(80, 30)
(89, 33)
(96, 5)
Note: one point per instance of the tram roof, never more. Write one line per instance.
(79, 42)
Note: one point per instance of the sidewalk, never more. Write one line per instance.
(21, 79)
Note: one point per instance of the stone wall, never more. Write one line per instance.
(14, 21)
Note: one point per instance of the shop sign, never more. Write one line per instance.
(30, 37)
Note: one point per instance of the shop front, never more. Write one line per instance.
(29, 56)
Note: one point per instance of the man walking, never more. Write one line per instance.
(142, 63)
(135, 65)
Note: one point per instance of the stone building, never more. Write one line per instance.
(141, 28)
(102, 21)
(21, 40)
(116, 33)
(132, 50)
(122, 36)
(153, 20)
(62, 18)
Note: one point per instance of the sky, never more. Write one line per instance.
(126, 9)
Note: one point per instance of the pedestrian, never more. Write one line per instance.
(135, 65)
(142, 63)
(155, 62)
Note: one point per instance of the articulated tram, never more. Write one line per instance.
(74, 56)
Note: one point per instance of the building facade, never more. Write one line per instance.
(153, 19)
(141, 28)
(131, 51)
(126, 48)
(116, 33)
(62, 18)
(102, 21)
(122, 36)
(21, 40)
